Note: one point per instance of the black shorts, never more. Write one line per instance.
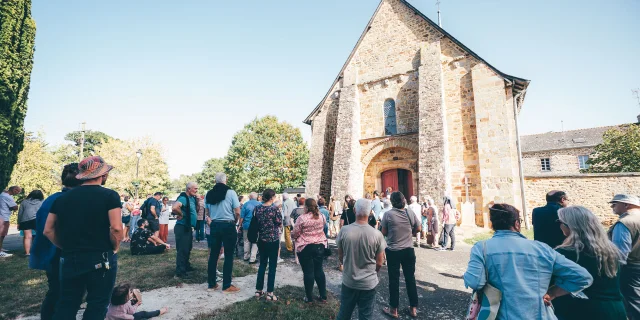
(154, 225)
(27, 225)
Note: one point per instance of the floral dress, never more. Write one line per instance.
(269, 219)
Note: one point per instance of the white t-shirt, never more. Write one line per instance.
(6, 202)
(164, 214)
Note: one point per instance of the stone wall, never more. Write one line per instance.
(563, 161)
(391, 158)
(593, 191)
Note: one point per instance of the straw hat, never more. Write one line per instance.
(92, 167)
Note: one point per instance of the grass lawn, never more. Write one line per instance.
(290, 306)
(22, 289)
(487, 235)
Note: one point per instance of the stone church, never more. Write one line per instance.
(416, 110)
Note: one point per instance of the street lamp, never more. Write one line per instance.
(137, 182)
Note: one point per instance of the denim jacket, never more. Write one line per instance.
(522, 269)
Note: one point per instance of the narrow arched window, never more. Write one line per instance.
(390, 126)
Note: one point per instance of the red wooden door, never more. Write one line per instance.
(409, 183)
(390, 179)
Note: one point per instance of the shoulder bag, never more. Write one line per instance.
(485, 303)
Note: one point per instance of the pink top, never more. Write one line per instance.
(121, 312)
(309, 231)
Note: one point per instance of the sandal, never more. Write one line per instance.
(271, 297)
(387, 311)
(259, 294)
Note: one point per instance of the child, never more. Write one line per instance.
(124, 303)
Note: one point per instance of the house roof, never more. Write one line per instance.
(581, 138)
(519, 84)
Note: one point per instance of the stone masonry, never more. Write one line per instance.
(563, 161)
(593, 191)
(454, 116)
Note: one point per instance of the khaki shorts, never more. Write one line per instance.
(4, 228)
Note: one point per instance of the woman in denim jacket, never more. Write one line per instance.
(520, 268)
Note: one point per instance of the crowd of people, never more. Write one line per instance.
(573, 269)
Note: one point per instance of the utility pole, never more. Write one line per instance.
(82, 142)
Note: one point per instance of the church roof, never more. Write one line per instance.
(519, 84)
(581, 138)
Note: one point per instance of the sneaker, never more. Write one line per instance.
(231, 289)
(214, 288)
(5, 255)
(280, 260)
(219, 274)
(4, 250)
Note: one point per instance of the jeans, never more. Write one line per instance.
(287, 239)
(222, 233)
(406, 258)
(250, 249)
(311, 258)
(140, 315)
(184, 244)
(133, 224)
(53, 294)
(630, 288)
(350, 298)
(268, 254)
(449, 231)
(200, 230)
(77, 276)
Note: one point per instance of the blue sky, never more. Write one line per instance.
(192, 73)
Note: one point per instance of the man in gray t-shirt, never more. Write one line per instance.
(361, 250)
(399, 225)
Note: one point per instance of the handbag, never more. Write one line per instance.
(252, 233)
(485, 303)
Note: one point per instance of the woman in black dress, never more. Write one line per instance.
(587, 244)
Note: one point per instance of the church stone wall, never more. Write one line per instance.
(593, 191)
(563, 161)
(391, 158)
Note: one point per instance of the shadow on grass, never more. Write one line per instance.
(22, 289)
(290, 306)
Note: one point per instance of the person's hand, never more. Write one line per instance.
(208, 219)
(168, 246)
(547, 300)
(138, 303)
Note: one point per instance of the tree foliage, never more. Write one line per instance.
(266, 153)
(92, 139)
(17, 34)
(619, 152)
(153, 172)
(206, 178)
(180, 184)
(36, 168)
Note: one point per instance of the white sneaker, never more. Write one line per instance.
(220, 274)
(4, 250)
(5, 255)
(280, 260)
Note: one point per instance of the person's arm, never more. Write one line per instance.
(297, 229)
(152, 209)
(380, 254)
(50, 229)
(236, 206)
(341, 255)
(475, 277)
(568, 275)
(621, 237)
(552, 293)
(117, 234)
(129, 206)
(177, 209)
(384, 223)
(157, 241)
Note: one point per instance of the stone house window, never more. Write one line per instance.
(582, 162)
(545, 164)
(390, 124)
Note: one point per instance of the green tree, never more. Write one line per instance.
(619, 151)
(206, 178)
(92, 139)
(17, 34)
(36, 169)
(153, 171)
(179, 185)
(267, 153)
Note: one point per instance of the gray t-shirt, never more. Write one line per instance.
(287, 207)
(399, 225)
(360, 244)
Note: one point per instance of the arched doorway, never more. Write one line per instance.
(399, 180)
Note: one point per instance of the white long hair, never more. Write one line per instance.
(588, 236)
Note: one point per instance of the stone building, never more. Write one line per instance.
(415, 109)
(564, 152)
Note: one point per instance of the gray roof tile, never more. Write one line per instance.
(581, 138)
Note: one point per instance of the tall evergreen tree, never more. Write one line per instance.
(17, 36)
